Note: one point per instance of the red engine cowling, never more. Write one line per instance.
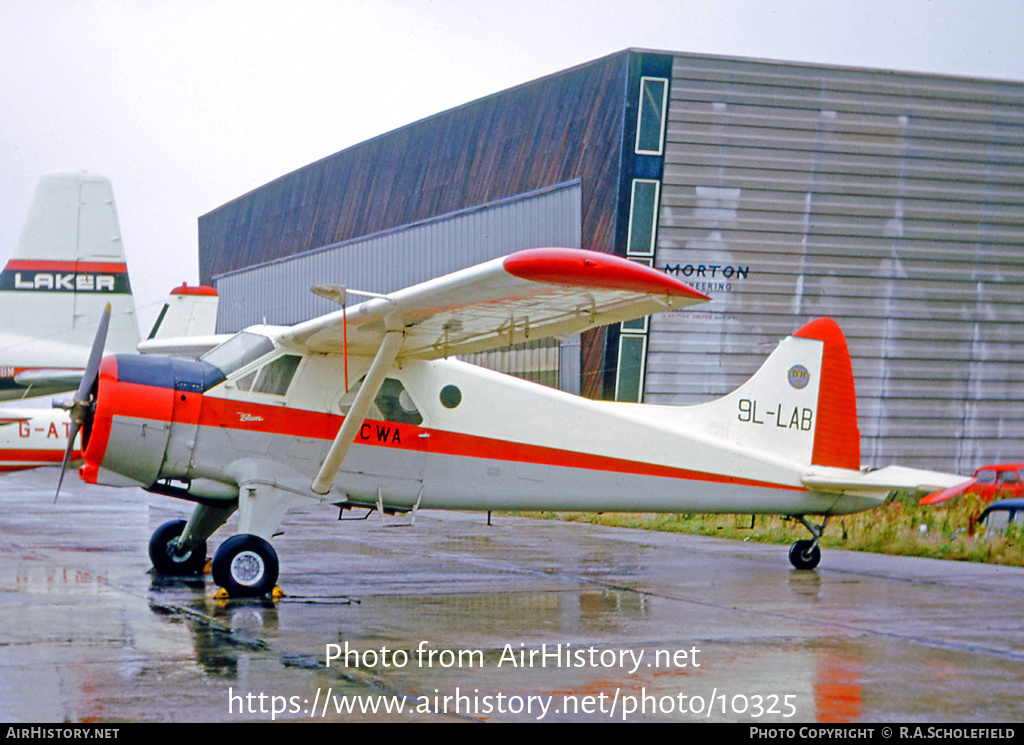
(139, 400)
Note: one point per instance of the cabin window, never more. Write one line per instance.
(276, 376)
(395, 403)
(392, 403)
(450, 396)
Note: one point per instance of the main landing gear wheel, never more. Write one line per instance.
(804, 554)
(166, 560)
(246, 566)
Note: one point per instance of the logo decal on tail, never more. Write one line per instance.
(65, 276)
(799, 377)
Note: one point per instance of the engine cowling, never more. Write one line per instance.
(140, 400)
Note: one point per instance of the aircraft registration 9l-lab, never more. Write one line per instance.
(366, 407)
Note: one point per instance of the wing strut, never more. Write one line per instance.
(382, 362)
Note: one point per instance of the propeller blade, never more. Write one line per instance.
(81, 407)
(75, 426)
(92, 367)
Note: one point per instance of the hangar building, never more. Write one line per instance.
(889, 201)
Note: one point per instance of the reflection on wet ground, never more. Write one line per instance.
(454, 619)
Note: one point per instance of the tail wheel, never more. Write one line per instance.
(165, 557)
(804, 554)
(246, 566)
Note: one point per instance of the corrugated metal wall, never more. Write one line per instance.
(891, 202)
(278, 292)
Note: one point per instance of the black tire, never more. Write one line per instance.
(164, 558)
(802, 556)
(246, 566)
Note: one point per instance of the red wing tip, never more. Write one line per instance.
(577, 267)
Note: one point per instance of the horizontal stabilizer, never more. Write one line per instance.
(881, 480)
(65, 379)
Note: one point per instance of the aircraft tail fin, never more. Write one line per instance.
(189, 311)
(800, 405)
(68, 264)
(187, 324)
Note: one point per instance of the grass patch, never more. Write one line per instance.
(948, 530)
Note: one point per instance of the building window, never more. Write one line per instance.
(637, 325)
(630, 380)
(643, 217)
(650, 125)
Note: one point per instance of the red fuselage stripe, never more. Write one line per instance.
(149, 402)
(13, 455)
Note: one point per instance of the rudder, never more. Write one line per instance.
(836, 436)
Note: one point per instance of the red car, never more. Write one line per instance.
(1000, 480)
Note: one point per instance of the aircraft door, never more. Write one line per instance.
(394, 447)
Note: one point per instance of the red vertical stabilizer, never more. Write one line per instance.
(836, 436)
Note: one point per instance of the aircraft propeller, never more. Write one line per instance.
(82, 405)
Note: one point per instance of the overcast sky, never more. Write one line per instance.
(186, 105)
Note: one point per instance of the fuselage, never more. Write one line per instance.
(30, 438)
(441, 434)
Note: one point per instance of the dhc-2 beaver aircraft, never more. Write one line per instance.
(364, 407)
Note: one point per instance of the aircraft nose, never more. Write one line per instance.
(98, 419)
(133, 416)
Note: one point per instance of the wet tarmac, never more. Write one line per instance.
(455, 620)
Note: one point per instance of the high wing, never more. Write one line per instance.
(531, 294)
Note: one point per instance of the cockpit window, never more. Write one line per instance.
(238, 351)
(245, 382)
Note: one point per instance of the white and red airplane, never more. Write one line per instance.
(67, 267)
(363, 407)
